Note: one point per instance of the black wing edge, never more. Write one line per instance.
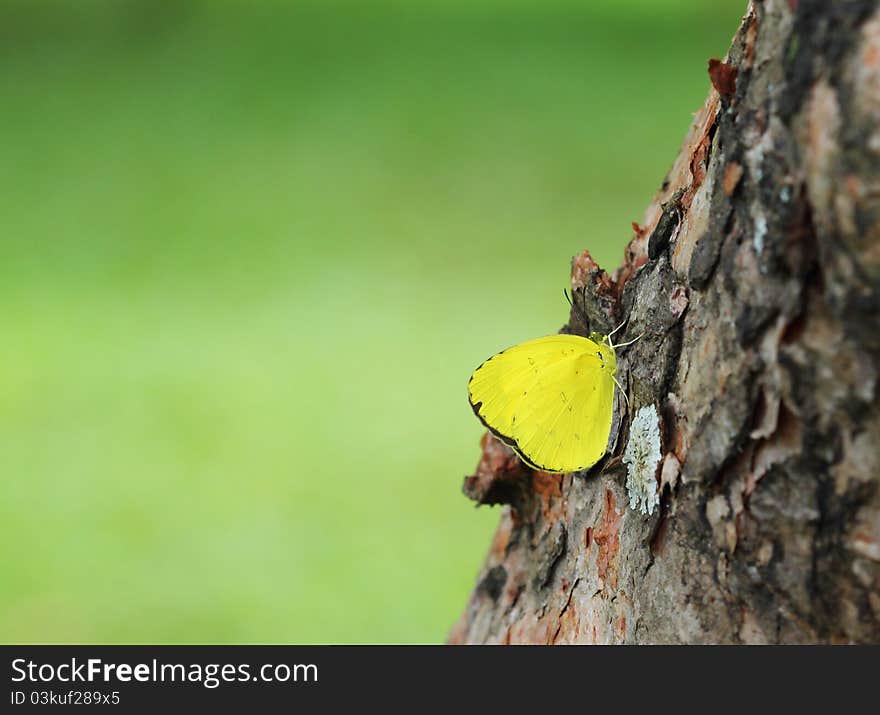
(509, 441)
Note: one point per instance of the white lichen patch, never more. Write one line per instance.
(642, 456)
(760, 234)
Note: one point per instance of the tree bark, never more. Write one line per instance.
(755, 278)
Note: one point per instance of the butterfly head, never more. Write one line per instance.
(605, 351)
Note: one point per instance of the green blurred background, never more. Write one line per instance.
(251, 252)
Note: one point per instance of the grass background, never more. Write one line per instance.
(251, 252)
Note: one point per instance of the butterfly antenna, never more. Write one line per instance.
(617, 328)
(628, 342)
(579, 311)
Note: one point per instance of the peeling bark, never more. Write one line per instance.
(755, 277)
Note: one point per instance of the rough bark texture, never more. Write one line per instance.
(755, 277)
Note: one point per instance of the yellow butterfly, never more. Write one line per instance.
(550, 399)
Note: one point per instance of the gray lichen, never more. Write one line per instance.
(642, 455)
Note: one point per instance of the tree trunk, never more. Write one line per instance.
(755, 278)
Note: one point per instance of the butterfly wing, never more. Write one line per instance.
(551, 399)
